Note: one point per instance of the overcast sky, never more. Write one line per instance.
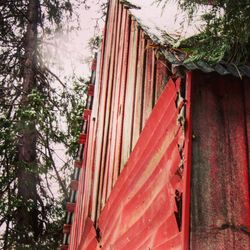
(69, 52)
(90, 25)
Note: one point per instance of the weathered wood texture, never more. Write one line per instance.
(131, 78)
(134, 188)
(220, 213)
(127, 77)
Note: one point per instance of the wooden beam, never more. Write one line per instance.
(66, 228)
(74, 185)
(78, 164)
(86, 114)
(82, 138)
(137, 121)
(90, 91)
(70, 207)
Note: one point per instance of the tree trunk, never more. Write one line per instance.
(27, 212)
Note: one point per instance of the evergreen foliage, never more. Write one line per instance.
(225, 34)
(33, 105)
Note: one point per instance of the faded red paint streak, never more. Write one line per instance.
(220, 212)
(122, 81)
(119, 94)
(130, 93)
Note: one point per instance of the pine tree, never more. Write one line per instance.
(225, 35)
(30, 103)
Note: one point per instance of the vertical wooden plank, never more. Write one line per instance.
(108, 116)
(115, 104)
(86, 186)
(161, 77)
(90, 158)
(130, 93)
(94, 116)
(149, 83)
(138, 89)
(246, 91)
(122, 81)
(187, 164)
(102, 104)
(118, 81)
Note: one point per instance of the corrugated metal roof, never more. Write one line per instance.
(169, 26)
(222, 68)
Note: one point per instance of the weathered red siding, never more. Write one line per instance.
(125, 81)
(220, 212)
(144, 209)
(131, 79)
(137, 181)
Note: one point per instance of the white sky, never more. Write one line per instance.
(169, 19)
(69, 52)
(90, 25)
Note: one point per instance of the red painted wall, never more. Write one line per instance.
(135, 184)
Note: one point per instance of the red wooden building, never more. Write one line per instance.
(163, 161)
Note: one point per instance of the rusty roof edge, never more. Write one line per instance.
(177, 58)
(129, 5)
